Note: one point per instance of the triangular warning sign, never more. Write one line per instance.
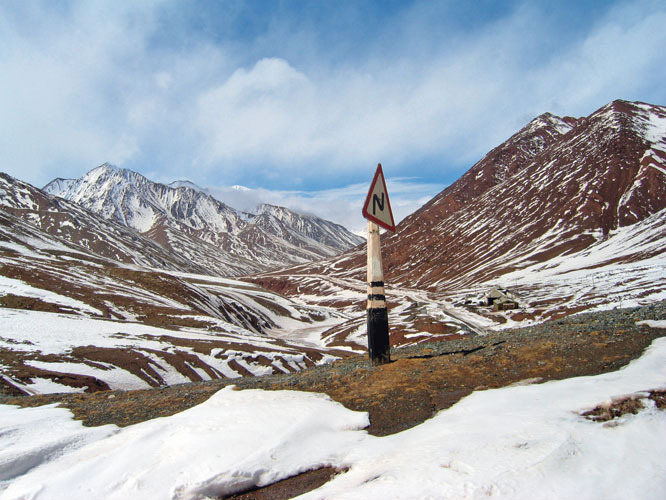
(377, 206)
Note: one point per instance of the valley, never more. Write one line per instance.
(206, 293)
(114, 282)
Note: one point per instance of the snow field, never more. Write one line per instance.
(234, 440)
(18, 287)
(58, 334)
(518, 442)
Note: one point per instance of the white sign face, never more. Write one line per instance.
(377, 206)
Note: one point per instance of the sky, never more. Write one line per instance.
(300, 101)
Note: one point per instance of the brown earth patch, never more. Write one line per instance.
(30, 303)
(290, 487)
(629, 405)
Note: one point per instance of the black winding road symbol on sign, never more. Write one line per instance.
(376, 201)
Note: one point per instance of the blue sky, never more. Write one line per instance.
(300, 100)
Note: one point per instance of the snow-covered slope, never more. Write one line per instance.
(85, 230)
(188, 221)
(519, 442)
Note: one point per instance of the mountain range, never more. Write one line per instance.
(89, 304)
(113, 280)
(187, 221)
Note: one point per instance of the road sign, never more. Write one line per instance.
(377, 210)
(377, 206)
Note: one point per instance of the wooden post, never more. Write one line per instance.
(378, 335)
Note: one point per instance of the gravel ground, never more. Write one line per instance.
(419, 381)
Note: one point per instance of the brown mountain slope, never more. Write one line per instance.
(591, 180)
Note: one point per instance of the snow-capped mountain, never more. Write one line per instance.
(79, 229)
(133, 200)
(187, 220)
(298, 229)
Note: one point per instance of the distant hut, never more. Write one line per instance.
(504, 304)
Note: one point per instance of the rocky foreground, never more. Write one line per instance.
(420, 380)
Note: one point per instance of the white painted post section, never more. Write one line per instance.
(378, 337)
(375, 271)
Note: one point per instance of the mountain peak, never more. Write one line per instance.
(272, 209)
(550, 121)
(620, 107)
(184, 184)
(58, 186)
(109, 170)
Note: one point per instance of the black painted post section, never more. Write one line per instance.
(378, 331)
(378, 336)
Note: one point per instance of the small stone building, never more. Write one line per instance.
(505, 304)
(500, 299)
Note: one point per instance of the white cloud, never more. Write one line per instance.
(455, 104)
(341, 205)
(256, 115)
(620, 58)
(59, 95)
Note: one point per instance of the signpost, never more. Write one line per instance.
(377, 210)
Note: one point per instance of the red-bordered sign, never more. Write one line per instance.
(377, 207)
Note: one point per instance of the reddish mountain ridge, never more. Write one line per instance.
(560, 195)
(556, 187)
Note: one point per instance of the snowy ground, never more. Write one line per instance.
(49, 335)
(527, 441)
(131, 327)
(71, 321)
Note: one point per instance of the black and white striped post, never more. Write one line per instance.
(377, 210)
